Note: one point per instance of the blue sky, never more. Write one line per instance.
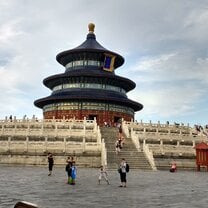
(164, 44)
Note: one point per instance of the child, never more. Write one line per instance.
(73, 173)
(173, 167)
(103, 174)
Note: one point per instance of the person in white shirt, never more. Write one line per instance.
(122, 172)
(103, 174)
(118, 146)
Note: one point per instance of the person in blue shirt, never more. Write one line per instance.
(73, 173)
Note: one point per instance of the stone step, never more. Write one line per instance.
(135, 159)
(114, 166)
(130, 159)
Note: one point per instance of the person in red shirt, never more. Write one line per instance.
(173, 167)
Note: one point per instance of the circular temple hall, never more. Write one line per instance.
(89, 86)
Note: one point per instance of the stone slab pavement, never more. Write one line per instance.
(144, 189)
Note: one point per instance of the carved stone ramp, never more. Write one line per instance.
(135, 159)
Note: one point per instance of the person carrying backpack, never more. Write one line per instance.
(123, 169)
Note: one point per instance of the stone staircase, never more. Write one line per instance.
(135, 159)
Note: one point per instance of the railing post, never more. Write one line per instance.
(15, 126)
(95, 124)
(83, 144)
(9, 143)
(70, 127)
(2, 130)
(28, 127)
(157, 132)
(46, 143)
(64, 144)
(33, 118)
(180, 133)
(56, 127)
(84, 126)
(178, 143)
(193, 143)
(42, 126)
(98, 135)
(144, 142)
(131, 132)
(103, 154)
(131, 122)
(27, 141)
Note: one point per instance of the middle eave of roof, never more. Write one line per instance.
(51, 81)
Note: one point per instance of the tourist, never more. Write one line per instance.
(50, 163)
(173, 167)
(73, 173)
(68, 170)
(68, 159)
(103, 174)
(118, 146)
(122, 171)
(122, 141)
(120, 132)
(72, 159)
(109, 123)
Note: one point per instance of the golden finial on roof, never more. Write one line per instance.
(91, 27)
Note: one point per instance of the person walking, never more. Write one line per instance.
(103, 174)
(122, 171)
(118, 146)
(50, 163)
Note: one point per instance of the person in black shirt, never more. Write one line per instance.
(50, 163)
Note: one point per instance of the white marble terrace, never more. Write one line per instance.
(42, 135)
(159, 140)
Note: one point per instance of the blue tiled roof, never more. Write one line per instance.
(89, 95)
(106, 77)
(89, 45)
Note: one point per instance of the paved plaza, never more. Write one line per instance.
(144, 189)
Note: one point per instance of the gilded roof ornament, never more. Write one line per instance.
(91, 27)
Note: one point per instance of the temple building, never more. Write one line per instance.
(89, 86)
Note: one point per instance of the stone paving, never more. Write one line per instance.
(144, 189)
